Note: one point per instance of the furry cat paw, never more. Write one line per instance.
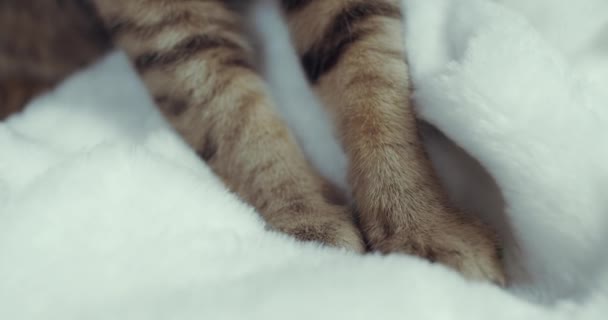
(450, 239)
(329, 225)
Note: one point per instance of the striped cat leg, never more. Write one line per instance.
(196, 64)
(41, 43)
(353, 53)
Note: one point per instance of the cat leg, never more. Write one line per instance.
(41, 43)
(353, 53)
(197, 65)
(16, 93)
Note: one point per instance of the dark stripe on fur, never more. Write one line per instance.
(341, 34)
(294, 5)
(184, 50)
(209, 150)
(237, 61)
(171, 106)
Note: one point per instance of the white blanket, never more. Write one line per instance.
(106, 214)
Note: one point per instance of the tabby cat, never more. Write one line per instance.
(198, 64)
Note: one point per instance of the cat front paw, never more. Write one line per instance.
(326, 224)
(449, 238)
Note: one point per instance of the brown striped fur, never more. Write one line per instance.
(197, 63)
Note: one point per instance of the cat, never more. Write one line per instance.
(198, 63)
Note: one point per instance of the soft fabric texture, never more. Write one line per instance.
(106, 214)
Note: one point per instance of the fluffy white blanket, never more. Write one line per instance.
(105, 214)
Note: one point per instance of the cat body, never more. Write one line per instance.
(199, 65)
